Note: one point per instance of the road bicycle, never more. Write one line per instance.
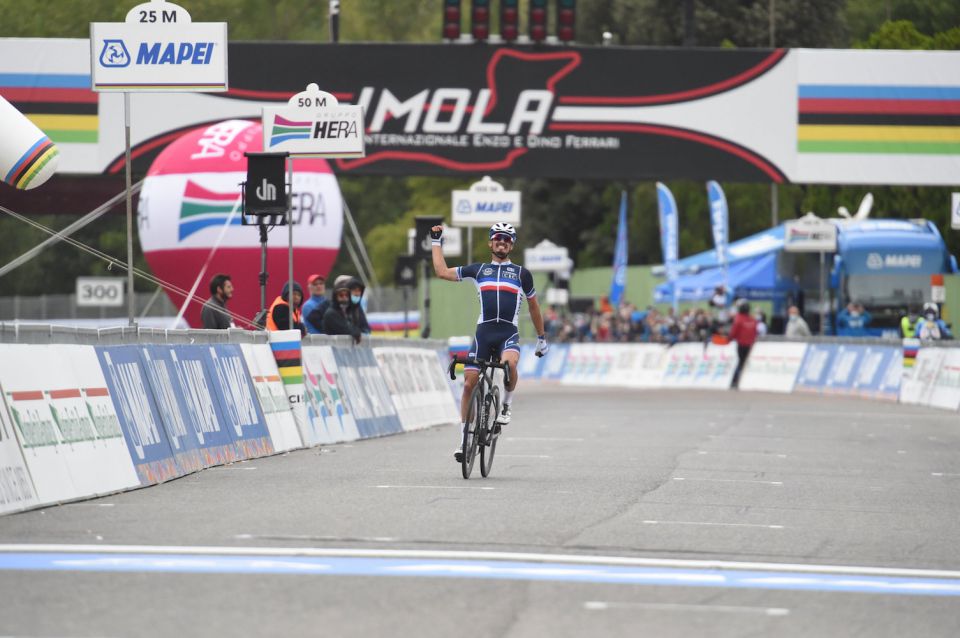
(482, 431)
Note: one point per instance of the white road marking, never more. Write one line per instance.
(524, 456)
(229, 467)
(91, 505)
(541, 438)
(600, 605)
(712, 524)
(719, 480)
(582, 559)
(432, 487)
(944, 474)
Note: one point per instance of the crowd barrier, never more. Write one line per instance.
(908, 372)
(86, 412)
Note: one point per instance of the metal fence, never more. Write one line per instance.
(148, 304)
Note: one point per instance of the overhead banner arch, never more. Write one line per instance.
(758, 115)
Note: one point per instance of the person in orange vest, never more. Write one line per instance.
(279, 316)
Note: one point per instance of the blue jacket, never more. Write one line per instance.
(313, 311)
(853, 326)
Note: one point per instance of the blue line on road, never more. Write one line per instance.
(479, 569)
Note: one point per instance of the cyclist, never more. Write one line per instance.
(500, 286)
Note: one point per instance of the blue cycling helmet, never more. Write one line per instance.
(503, 228)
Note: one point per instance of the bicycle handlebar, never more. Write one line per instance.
(452, 370)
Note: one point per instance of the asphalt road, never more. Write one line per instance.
(608, 513)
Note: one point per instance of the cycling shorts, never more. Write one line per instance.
(498, 336)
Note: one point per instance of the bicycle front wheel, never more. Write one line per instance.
(471, 434)
(490, 447)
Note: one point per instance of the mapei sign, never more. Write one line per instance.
(485, 204)
(158, 48)
(314, 124)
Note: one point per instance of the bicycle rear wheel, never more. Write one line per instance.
(471, 434)
(488, 450)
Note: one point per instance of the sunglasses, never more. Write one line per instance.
(502, 237)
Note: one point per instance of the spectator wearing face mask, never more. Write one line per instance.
(338, 320)
(797, 327)
(931, 326)
(357, 313)
(853, 321)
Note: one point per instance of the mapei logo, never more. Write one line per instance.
(175, 53)
(876, 261)
(494, 207)
(114, 54)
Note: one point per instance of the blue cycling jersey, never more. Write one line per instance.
(500, 288)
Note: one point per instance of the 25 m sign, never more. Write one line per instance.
(158, 48)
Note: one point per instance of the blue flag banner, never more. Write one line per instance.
(668, 229)
(619, 282)
(719, 220)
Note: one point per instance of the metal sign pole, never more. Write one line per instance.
(469, 244)
(290, 236)
(129, 179)
(823, 306)
(406, 313)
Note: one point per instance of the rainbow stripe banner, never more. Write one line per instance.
(60, 104)
(883, 119)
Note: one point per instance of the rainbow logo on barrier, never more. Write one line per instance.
(878, 119)
(60, 104)
(202, 208)
(289, 361)
(285, 130)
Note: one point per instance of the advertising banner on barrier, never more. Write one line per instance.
(366, 392)
(329, 418)
(234, 391)
(416, 383)
(892, 376)
(555, 363)
(946, 389)
(70, 450)
(107, 448)
(773, 366)
(719, 364)
(683, 362)
(816, 367)
(873, 377)
(530, 365)
(273, 400)
(16, 486)
(844, 370)
(193, 419)
(919, 381)
(648, 366)
(139, 417)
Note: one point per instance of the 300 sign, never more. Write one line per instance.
(99, 291)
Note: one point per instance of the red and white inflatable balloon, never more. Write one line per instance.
(193, 188)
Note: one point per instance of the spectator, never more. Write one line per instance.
(853, 321)
(337, 318)
(357, 314)
(215, 315)
(720, 302)
(744, 332)
(279, 316)
(315, 307)
(761, 318)
(931, 326)
(796, 325)
(908, 323)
